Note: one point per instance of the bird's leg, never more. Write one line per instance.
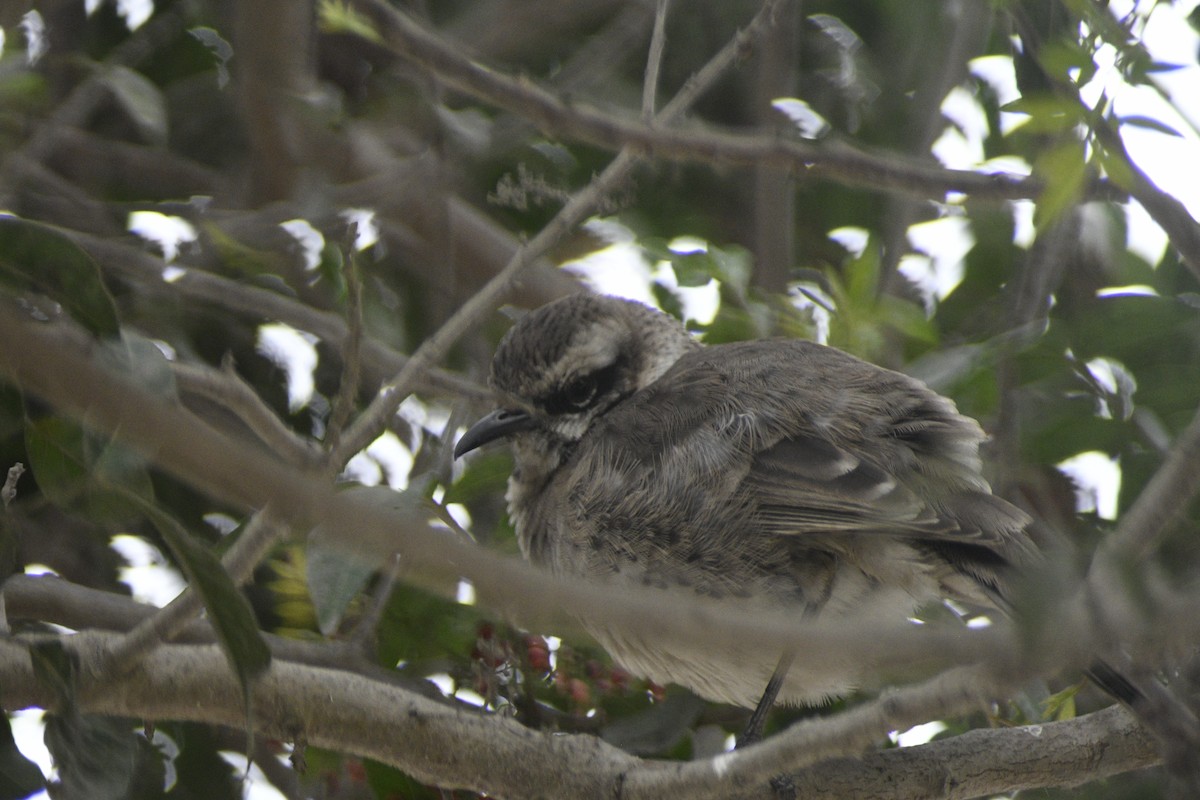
(758, 720)
(781, 784)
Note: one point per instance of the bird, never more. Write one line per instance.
(780, 474)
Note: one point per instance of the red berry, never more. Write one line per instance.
(580, 693)
(539, 660)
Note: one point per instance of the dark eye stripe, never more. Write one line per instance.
(580, 393)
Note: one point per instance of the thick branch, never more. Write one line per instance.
(433, 742)
(460, 748)
(983, 763)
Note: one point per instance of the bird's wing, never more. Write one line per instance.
(807, 485)
(809, 440)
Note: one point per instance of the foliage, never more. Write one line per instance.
(263, 140)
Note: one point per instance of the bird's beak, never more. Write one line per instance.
(496, 425)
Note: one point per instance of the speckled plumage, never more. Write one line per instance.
(773, 474)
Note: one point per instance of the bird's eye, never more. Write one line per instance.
(578, 394)
(581, 392)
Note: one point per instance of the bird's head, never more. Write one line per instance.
(566, 364)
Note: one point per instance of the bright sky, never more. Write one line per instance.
(1173, 162)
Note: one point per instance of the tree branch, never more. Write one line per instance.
(432, 742)
(1166, 495)
(460, 748)
(132, 263)
(984, 763)
(833, 160)
(226, 388)
(658, 42)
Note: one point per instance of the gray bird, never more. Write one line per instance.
(775, 474)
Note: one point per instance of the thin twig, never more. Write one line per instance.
(9, 492)
(811, 741)
(256, 540)
(195, 284)
(343, 403)
(362, 636)
(654, 61)
(448, 519)
(49, 598)
(1170, 214)
(1164, 497)
(227, 388)
(7, 495)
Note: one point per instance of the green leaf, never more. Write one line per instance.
(1164, 66)
(199, 769)
(1139, 121)
(1116, 166)
(1047, 113)
(339, 17)
(335, 579)
(862, 277)
(693, 269)
(387, 781)
(56, 456)
(240, 258)
(222, 51)
(737, 321)
(54, 669)
(22, 91)
(38, 258)
(19, 777)
(336, 576)
(1060, 706)
(97, 757)
(417, 626)
(1062, 170)
(658, 728)
(79, 470)
(140, 361)
(332, 267)
(1063, 57)
(907, 318)
(142, 101)
(667, 300)
(228, 610)
(734, 267)
(656, 248)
